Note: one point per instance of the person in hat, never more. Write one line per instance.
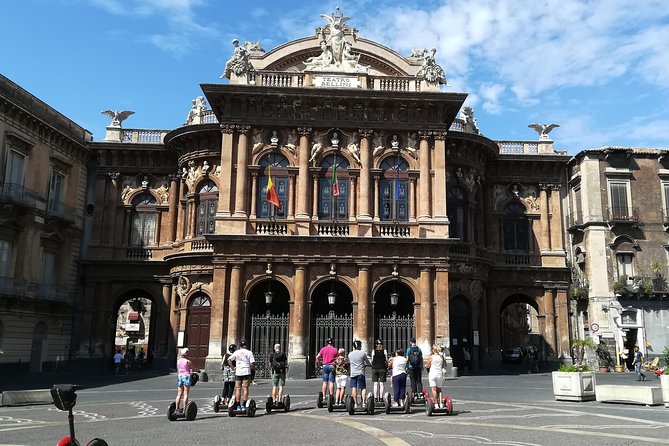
(327, 356)
(379, 369)
(183, 379)
(278, 362)
(243, 362)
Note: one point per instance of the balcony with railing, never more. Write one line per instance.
(333, 228)
(518, 147)
(61, 211)
(10, 286)
(395, 230)
(623, 215)
(15, 193)
(51, 293)
(139, 252)
(574, 220)
(143, 136)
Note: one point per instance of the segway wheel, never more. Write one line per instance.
(331, 404)
(231, 409)
(268, 405)
(388, 402)
(370, 404)
(217, 403)
(448, 404)
(428, 407)
(286, 403)
(171, 410)
(350, 405)
(97, 442)
(251, 408)
(191, 411)
(319, 401)
(407, 404)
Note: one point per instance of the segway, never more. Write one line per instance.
(271, 405)
(367, 408)
(249, 409)
(417, 399)
(431, 407)
(217, 403)
(191, 408)
(389, 408)
(332, 405)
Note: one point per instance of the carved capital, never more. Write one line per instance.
(544, 186)
(227, 128)
(424, 135)
(243, 129)
(366, 133)
(304, 131)
(439, 136)
(114, 175)
(174, 176)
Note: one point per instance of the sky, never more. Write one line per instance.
(599, 69)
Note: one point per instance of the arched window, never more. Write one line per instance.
(200, 300)
(516, 228)
(144, 218)
(279, 173)
(456, 204)
(206, 201)
(333, 201)
(394, 189)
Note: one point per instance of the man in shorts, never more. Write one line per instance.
(327, 355)
(278, 362)
(358, 361)
(244, 363)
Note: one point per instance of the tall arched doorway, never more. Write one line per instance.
(197, 329)
(331, 317)
(39, 347)
(394, 322)
(460, 314)
(134, 328)
(268, 317)
(519, 325)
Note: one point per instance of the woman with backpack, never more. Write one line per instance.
(415, 359)
(379, 369)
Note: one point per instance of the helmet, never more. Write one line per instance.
(232, 348)
(378, 342)
(242, 343)
(357, 344)
(329, 341)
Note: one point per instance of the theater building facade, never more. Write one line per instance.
(330, 187)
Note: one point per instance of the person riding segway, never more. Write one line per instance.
(402, 402)
(326, 356)
(436, 402)
(379, 371)
(358, 361)
(338, 401)
(244, 365)
(224, 398)
(278, 362)
(415, 367)
(185, 379)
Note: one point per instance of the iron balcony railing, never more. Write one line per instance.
(51, 293)
(16, 193)
(60, 210)
(622, 214)
(10, 286)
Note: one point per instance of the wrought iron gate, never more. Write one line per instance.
(331, 325)
(395, 331)
(267, 330)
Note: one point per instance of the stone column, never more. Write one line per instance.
(412, 196)
(174, 309)
(314, 200)
(549, 312)
(181, 211)
(291, 196)
(426, 304)
(113, 197)
(225, 175)
(493, 349)
(441, 298)
(365, 173)
(165, 330)
(191, 214)
(235, 312)
(241, 182)
(440, 176)
(303, 174)
(351, 199)
(544, 237)
(424, 182)
(254, 195)
(216, 342)
(363, 324)
(173, 204)
(298, 326)
(376, 202)
(555, 218)
(562, 316)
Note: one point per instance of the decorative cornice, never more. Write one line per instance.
(227, 128)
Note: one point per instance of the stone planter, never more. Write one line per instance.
(664, 382)
(574, 386)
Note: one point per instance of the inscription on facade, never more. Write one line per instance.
(336, 82)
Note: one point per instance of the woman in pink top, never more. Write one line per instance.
(183, 379)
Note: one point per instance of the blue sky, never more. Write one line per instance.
(600, 69)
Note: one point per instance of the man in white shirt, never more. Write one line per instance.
(244, 364)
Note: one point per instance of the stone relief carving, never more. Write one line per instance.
(336, 54)
(239, 63)
(316, 149)
(254, 48)
(183, 286)
(470, 120)
(125, 193)
(430, 71)
(354, 150)
(163, 193)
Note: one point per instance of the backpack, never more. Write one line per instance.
(277, 365)
(416, 357)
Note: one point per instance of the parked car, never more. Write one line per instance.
(512, 355)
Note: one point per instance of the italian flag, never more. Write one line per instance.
(335, 184)
(271, 196)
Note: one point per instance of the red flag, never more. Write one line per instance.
(335, 184)
(271, 196)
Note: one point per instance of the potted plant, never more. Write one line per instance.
(619, 287)
(605, 358)
(575, 382)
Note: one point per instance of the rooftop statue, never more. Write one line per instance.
(117, 116)
(196, 112)
(430, 71)
(239, 63)
(336, 55)
(543, 129)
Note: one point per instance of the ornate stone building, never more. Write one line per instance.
(330, 190)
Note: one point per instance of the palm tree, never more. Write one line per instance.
(579, 346)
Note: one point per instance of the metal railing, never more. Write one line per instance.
(12, 287)
(622, 214)
(51, 293)
(60, 210)
(16, 193)
(139, 253)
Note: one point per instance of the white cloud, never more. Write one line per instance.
(491, 96)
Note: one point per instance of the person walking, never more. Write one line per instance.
(279, 363)
(326, 356)
(415, 358)
(118, 361)
(183, 380)
(379, 369)
(637, 362)
(468, 359)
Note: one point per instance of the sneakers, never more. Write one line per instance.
(179, 412)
